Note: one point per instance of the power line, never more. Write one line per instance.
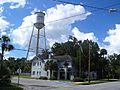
(105, 8)
(113, 5)
(20, 49)
(70, 16)
(98, 8)
(81, 5)
(67, 18)
(81, 13)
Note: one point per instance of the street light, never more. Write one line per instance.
(113, 10)
(81, 51)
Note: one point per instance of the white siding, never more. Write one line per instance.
(38, 68)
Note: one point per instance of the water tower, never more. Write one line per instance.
(39, 24)
(39, 20)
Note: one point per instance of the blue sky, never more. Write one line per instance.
(17, 18)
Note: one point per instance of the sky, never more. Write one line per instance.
(61, 20)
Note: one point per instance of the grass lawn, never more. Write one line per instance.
(11, 87)
(94, 82)
(25, 76)
(62, 80)
(86, 83)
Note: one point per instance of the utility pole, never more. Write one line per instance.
(89, 65)
(80, 57)
(80, 65)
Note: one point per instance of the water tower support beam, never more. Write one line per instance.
(30, 43)
(37, 46)
(45, 38)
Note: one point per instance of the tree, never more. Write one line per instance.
(103, 64)
(5, 76)
(58, 49)
(11, 64)
(103, 52)
(45, 53)
(94, 55)
(52, 66)
(79, 52)
(4, 71)
(114, 62)
(5, 45)
(14, 63)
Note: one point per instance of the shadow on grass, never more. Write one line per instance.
(11, 87)
(95, 82)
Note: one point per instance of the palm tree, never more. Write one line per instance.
(4, 71)
(103, 52)
(5, 45)
(52, 66)
(79, 53)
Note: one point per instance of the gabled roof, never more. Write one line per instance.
(63, 58)
(38, 57)
(55, 58)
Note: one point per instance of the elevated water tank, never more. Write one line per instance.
(39, 20)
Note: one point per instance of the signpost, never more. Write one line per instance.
(18, 71)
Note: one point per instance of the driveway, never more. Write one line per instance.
(33, 84)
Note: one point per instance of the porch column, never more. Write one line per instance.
(58, 76)
(65, 73)
(48, 72)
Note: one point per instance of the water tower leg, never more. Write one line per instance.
(37, 46)
(30, 43)
(45, 38)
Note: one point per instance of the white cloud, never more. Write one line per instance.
(14, 3)
(113, 39)
(56, 31)
(22, 34)
(83, 36)
(3, 33)
(62, 28)
(1, 10)
(3, 24)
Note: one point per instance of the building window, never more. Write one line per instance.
(34, 63)
(37, 72)
(40, 73)
(33, 72)
(38, 64)
(47, 73)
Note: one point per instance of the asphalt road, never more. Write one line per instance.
(32, 84)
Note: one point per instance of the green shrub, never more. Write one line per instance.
(86, 79)
(11, 87)
(53, 78)
(91, 79)
(4, 76)
(78, 79)
(43, 78)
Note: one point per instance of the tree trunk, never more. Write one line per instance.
(2, 54)
(50, 73)
(2, 57)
